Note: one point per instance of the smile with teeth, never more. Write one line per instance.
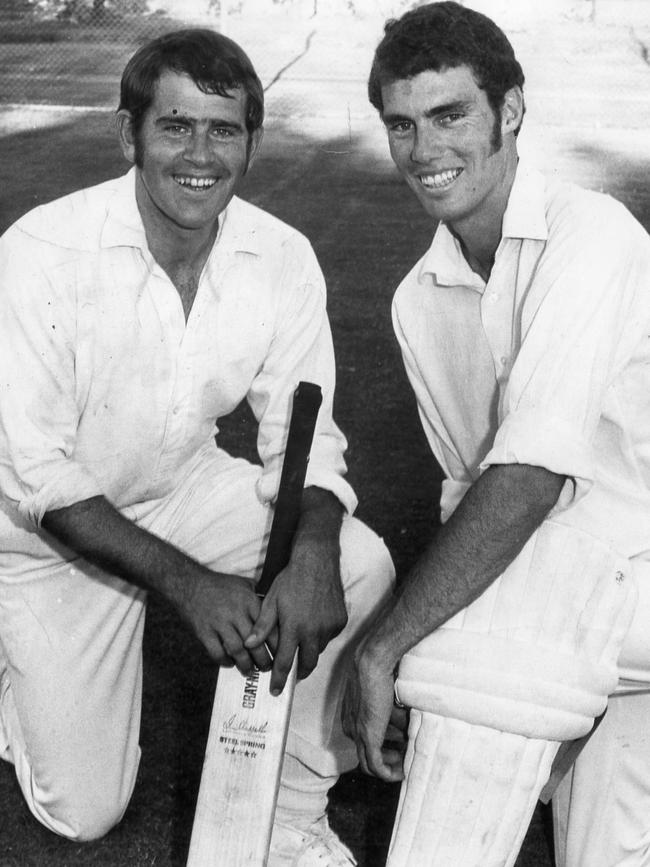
(440, 179)
(192, 183)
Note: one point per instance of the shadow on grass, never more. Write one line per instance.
(367, 231)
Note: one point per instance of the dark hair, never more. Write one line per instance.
(441, 36)
(215, 63)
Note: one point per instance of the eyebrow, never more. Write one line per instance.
(436, 111)
(186, 120)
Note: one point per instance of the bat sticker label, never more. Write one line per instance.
(250, 690)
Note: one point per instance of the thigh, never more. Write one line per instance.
(215, 515)
(601, 811)
(71, 693)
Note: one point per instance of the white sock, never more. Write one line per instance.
(302, 798)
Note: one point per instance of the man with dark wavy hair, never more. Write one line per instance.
(525, 332)
(135, 314)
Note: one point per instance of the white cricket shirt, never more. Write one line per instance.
(105, 389)
(548, 363)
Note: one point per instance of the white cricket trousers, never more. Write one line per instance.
(601, 810)
(71, 685)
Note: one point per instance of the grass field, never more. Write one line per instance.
(44, 61)
(367, 230)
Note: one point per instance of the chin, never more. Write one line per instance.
(439, 214)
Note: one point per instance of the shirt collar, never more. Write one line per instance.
(445, 262)
(123, 225)
(524, 218)
(239, 230)
(525, 215)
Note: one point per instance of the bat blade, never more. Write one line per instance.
(248, 730)
(236, 804)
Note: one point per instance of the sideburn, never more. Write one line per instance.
(496, 139)
(138, 147)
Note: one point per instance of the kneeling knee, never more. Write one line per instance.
(364, 553)
(96, 826)
(366, 567)
(83, 824)
(82, 817)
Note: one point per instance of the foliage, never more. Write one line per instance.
(88, 11)
(55, 21)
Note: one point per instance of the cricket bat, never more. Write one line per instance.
(234, 813)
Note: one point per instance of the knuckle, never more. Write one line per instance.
(261, 657)
(223, 660)
(214, 648)
(242, 661)
(234, 648)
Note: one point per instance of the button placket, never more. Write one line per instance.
(172, 318)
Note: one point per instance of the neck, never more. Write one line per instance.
(171, 244)
(187, 249)
(480, 234)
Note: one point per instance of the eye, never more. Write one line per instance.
(450, 118)
(400, 127)
(176, 129)
(223, 132)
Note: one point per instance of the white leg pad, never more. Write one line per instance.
(468, 794)
(536, 654)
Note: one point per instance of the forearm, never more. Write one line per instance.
(96, 531)
(320, 520)
(488, 530)
(219, 607)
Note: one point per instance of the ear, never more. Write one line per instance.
(512, 112)
(126, 134)
(254, 142)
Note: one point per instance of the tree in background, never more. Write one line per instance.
(82, 11)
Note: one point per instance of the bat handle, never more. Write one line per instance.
(307, 399)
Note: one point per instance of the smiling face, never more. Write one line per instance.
(456, 156)
(192, 150)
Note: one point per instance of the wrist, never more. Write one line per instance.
(319, 529)
(377, 655)
(321, 514)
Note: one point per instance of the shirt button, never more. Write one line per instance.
(504, 360)
(493, 297)
(176, 410)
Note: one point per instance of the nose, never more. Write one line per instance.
(426, 145)
(198, 150)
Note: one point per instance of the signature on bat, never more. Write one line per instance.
(241, 724)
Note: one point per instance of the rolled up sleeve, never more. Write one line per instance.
(576, 341)
(301, 350)
(38, 410)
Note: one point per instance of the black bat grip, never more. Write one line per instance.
(307, 399)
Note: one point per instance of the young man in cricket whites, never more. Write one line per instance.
(135, 314)
(525, 332)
